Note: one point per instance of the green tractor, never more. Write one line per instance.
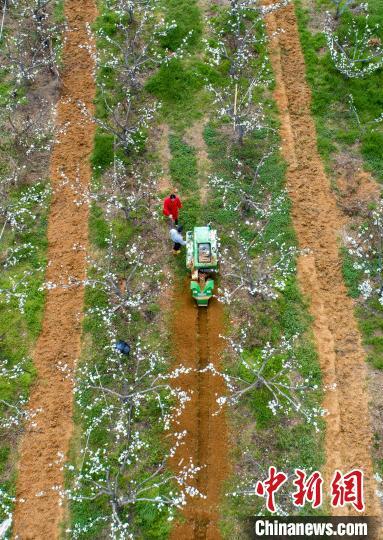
(202, 261)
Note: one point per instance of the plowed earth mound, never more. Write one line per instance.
(196, 343)
(317, 222)
(44, 445)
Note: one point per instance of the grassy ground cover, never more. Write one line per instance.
(184, 176)
(336, 122)
(21, 308)
(179, 84)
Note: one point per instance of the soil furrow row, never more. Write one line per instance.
(203, 415)
(38, 511)
(196, 344)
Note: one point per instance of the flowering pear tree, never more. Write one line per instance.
(19, 216)
(238, 194)
(260, 276)
(127, 120)
(133, 192)
(125, 191)
(26, 135)
(236, 105)
(32, 48)
(14, 415)
(119, 472)
(358, 52)
(236, 42)
(136, 45)
(132, 287)
(274, 369)
(239, 43)
(365, 247)
(245, 268)
(128, 55)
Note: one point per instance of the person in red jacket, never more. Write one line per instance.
(171, 206)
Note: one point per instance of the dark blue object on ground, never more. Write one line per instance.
(122, 347)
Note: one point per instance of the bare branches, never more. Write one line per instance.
(359, 52)
(341, 6)
(129, 55)
(246, 269)
(365, 246)
(240, 43)
(32, 48)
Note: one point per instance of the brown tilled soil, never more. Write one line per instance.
(196, 343)
(317, 221)
(38, 512)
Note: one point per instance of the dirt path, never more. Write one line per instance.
(44, 445)
(196, 344)
(318, 222)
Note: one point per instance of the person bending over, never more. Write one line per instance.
(176, 237)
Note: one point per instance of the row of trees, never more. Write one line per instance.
(29, 57)
(128, 402)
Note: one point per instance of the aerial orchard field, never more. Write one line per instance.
(191, 246)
